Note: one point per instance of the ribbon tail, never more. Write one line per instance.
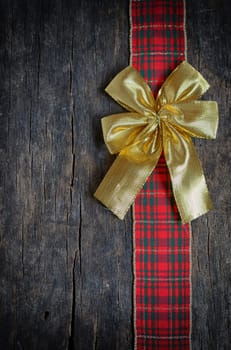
(187, 177)
(123, 181)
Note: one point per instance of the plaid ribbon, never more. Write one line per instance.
(161, 242)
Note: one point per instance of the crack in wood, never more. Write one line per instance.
(80, 237)
(72, 115)
(72, 178)
(95, 335)
(73, 307)
(22, 248)
(77, 256)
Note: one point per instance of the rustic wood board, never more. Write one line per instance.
(209, 37)
(65, 261)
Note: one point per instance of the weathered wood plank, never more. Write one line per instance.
(39, 237)
(103, 303)
(208, 24)
(66, 281)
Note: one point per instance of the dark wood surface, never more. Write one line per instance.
(66, 262)
(209, 38)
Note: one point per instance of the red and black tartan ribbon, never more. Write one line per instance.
(161, 242)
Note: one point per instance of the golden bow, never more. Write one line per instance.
(151, 126)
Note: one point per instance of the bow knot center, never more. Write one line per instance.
(168, 112)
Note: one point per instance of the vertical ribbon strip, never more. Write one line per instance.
(161, 242)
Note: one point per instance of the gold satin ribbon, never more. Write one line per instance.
(152, 126)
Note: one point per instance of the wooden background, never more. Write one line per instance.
(65, 261)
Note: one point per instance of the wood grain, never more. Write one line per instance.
(208, 31)
(65, 261)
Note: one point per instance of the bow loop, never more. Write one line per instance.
(198, 119)
(120, 130)
(184, 84)
(131, 91)
(131, 135)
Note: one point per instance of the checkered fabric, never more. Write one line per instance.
(161, 242)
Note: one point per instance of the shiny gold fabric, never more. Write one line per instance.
(152, 126)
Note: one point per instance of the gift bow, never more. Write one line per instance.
(152, 126)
